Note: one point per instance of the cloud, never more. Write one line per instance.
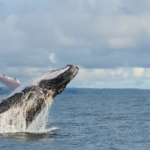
(52, 58)
(121, 43)
(138, 72)
(72, 34)
(113, 78)
(103, 37)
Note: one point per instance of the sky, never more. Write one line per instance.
(108, 40)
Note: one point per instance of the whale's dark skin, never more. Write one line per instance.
(39, 94)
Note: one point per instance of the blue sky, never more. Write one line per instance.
(108, 40)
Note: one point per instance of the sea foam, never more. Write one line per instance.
(13, 120)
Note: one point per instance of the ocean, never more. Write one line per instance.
(89, 119)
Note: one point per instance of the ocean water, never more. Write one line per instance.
(90, 119)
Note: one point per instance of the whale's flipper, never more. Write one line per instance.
(13, 84)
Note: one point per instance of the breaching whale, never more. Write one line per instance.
(32, 97)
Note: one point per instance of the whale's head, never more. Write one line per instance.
(50, 83)
(55, 81)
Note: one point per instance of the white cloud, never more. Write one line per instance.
(112, 78)
(121, 43)
(138, 72)
(147, 73)
(103, 74)
(10, 33)
(52, 57)
(31, 71)
(63, 39)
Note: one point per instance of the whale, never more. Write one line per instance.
(33, 96)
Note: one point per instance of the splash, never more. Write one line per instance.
(14, 119)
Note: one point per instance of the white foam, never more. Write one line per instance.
(13, 120)
(42, 131)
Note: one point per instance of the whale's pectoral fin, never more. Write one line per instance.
(13, 84)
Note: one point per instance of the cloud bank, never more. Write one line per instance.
(109, 40)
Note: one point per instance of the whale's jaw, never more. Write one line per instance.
(39, 93)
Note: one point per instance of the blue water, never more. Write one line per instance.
(88, 119)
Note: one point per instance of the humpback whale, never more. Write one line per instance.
(34, 95)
